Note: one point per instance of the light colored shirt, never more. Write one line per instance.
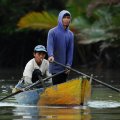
(31, 66)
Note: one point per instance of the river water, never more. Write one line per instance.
(103, 105)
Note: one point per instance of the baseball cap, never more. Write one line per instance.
(40, 48)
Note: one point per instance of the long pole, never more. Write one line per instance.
(96, 80)
(31, 86)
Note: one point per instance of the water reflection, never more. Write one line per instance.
(104, 104)
(64, 113)
(52, 113)
(27, 112)
(94, 110)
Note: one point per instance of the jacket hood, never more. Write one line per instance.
(61, 14)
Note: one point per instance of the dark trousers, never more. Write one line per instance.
(36, 75)
(59, 78)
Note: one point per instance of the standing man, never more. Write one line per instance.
(60, 44)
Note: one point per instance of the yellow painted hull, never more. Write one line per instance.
(73, 92)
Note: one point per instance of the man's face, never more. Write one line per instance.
(39, 56)
(66, 21)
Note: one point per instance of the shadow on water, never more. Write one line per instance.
(104, 105)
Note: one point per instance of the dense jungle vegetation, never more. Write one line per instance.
(95, 23)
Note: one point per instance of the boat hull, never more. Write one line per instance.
(29, 97)
(73, 92)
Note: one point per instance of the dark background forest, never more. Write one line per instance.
(95, 25)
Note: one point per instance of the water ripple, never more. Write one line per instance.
(103, 104)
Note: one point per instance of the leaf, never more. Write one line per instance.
(36, 20)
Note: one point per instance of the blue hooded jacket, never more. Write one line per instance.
(60, 44)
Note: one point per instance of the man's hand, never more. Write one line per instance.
(67, 70)
(51, 59)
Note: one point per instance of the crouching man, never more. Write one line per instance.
(35, 69)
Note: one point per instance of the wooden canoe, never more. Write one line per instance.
(72, 92)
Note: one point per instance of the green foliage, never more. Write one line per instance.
(93, 29)
(36, 20)
(105, 18)
(80, 23)
(12, 10)
(77, 7)
(105, 28)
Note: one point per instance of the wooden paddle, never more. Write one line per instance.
(32, 85)
(96, 80)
